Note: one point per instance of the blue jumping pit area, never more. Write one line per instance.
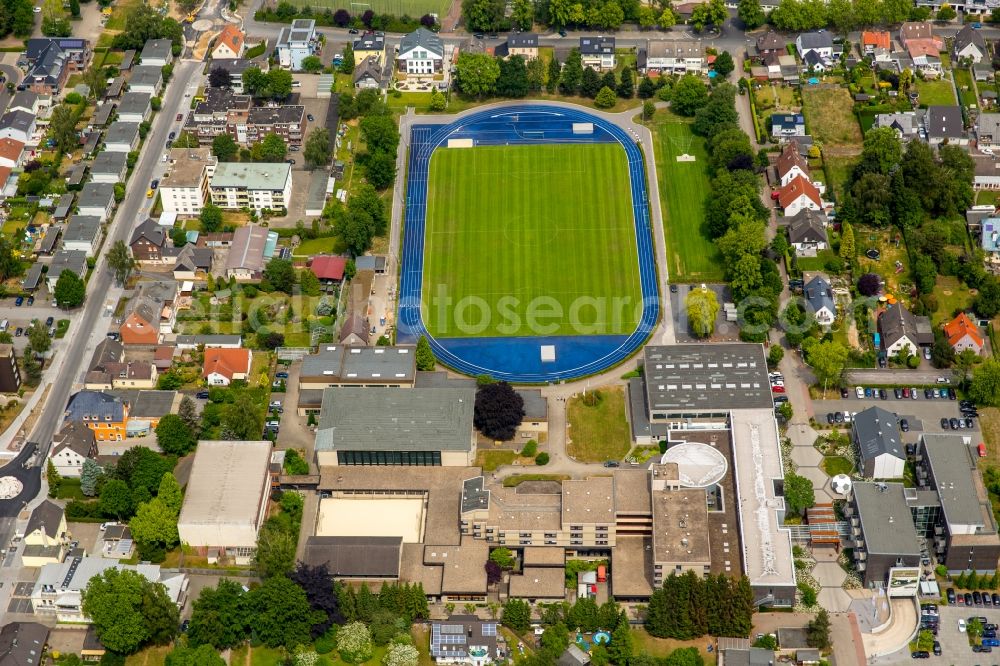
(535, 359)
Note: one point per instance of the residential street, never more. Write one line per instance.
(76, 349)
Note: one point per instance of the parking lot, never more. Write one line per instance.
(922, 415)
(955, 648)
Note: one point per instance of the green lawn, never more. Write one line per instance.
(329, 245)
(691, 255)
(598, 431)
(415, 8)
(816, 263)
(834, 465)
(939, 91)
(490, 460)
(530, 240)
(830, 116)
(984, 197)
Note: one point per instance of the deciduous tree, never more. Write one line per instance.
(220, 616)
(174, 436)
(425, 355)
(120, 604)
(799, 493)
(702, 307)
(70, 290)
(121, 261)
(318, 150)
(281, 613)
(476, 73)
(499, 410)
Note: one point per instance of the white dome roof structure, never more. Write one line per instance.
(841, 484)
(698, 465)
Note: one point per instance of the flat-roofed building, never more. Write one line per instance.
(949, 465)
(538, 584)
(236, 185)
(422, 427)
(345, 365)
(184, 189)
(356, 557)
(225, 502)
(696, 386)
(884, 535)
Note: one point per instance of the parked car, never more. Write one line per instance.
(991, 643)
(951, 394)
(844, 393)
(309, 117)
(937, 649)
(921, 654)
(49, 321)
(781, 398)
(860, 392)
(954, 424)
(904, 425)
(19, 332)
(913, 393)
(961, 625)
(201, 395)
(898, 392)
(868, 392)
(969, 423)
(19, 301)
(180, 117)
(968, 599)
(930, 394)
(612, 463)
(927, 353)
(977, 598)
(31, 300)
(906, 393)
(829, 418)
(950, 594)
(281, 375)
(985, 649)
(883, 394)
(838, 417)
(943, 393)
(944, 422)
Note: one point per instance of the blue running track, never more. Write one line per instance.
(518, 359)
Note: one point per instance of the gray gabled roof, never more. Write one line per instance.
(18, 120)
(969, 35)
(604, 45)
(369, 68)
(121, 132)
(819, 294)
(151, 231)
(157, 48)
(134, 102)
(109, 162)
(876, 432)
(819, 39)
(146, 75)
(897, 321)
(423, 38)
(96, 194)
(22, 643)
(944, 122)
(394, 419)
(806, 226)
(47, 516)
(71, 260)
(83, 228)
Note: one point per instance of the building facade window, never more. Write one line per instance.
(390, 458)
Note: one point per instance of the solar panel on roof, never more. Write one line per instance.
(489, 630)
(452, 629)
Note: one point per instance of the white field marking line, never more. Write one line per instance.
(505, 229)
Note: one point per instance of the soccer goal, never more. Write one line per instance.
(682, 144)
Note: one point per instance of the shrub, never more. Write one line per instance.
(542, 459)
(530, 449)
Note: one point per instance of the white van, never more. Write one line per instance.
(4, 325)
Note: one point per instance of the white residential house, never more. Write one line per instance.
(799, 194)
(791, 164)
(807, 232)
(158, 52)
(598, 52)
(185, 187)
(18, 125)
(819, 42)
(96, 200)
(122, 137)
(46, 536)
(969, 43)
(678, 56)
(421, 53)
(83, 233)
(819, 300)
(296, 43)
(988, 132)
(71, 447)
(236, 185)
(147, 79)
(58, 590)
(109, 167)
(135, 107)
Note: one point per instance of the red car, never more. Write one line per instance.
(777, 389)
(180, 117)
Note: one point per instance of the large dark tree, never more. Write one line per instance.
(218, 77)
(499, 410)
(320, 589)
(220, 616)
(869, 284)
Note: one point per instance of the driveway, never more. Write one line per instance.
(295, 434)
(895, 376)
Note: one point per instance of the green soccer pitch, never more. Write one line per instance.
(530, 240)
